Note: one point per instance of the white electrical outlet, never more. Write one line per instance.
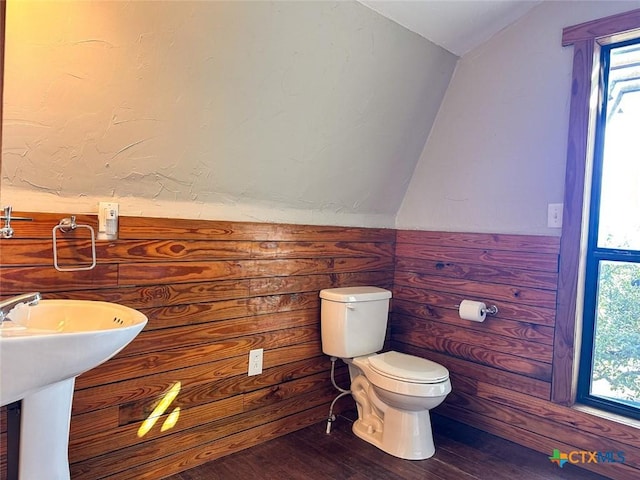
(554, 215)
(255, 362)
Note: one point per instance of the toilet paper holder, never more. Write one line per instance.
(491, 310)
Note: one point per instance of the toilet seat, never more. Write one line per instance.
(408, 368)
(427, 384)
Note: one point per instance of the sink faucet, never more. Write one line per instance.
(10, 303)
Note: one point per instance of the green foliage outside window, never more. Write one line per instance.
(616, 358)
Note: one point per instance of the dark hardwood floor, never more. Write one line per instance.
(462, 453)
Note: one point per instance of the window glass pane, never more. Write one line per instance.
(616, 349)
(619, 220)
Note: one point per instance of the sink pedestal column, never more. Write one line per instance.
(44, 433)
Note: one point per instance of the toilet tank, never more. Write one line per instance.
(353, 320)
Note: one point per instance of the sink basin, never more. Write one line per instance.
(59, 339)
(42, 349)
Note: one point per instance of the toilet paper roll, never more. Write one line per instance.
(474, 311)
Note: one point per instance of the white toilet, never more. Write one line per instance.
(393, 391)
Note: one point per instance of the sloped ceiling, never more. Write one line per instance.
(456, 25)
(304, 112)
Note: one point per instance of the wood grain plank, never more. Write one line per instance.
(91, 423)
(317, 249)
(15, 280)
(490, 293)
(180, 272)
(194, 313)
(282, 391)
(158, 228)
(316, 282)
(171, 228)
(296, 232)
(496, 258)
(517, 243)
(480, 273)
(39, 252)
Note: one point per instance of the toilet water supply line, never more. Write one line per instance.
(332, 417)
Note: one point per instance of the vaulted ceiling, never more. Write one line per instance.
(456, 25)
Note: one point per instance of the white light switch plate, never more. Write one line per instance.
(554, 215)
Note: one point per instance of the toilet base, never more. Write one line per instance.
(404, 434)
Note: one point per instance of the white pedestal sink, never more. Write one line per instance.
(42, 349)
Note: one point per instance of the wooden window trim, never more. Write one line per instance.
(3, 10)
(586, 39)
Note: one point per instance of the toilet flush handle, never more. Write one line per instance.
(351, 306)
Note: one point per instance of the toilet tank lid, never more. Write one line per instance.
(355, 294)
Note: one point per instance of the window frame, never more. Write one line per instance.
(586, 38)
(596, 254)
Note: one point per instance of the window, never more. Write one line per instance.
(609, 375)
(587, 40)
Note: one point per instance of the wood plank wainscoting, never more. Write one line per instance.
(501, 369)
(212, 291)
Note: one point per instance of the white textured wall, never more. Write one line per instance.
(496, 154)
(304, 112)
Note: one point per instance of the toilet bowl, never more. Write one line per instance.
(394, 393)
